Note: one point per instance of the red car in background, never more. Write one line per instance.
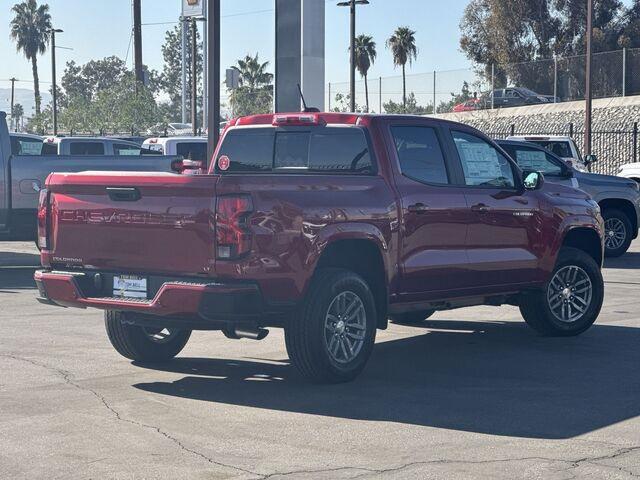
(468, 106)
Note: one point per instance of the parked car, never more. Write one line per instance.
(514, 97)
(562, 146)
(171, 129)
(23, 174)
(630, 170)
(326, 225)
(468, 106)
(619, 199)
(89, 146)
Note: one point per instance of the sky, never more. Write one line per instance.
(100, 28)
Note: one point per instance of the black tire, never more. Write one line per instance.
(411, 318)
(305, 337)
(135, 343)
(535, 307)
(612, 214)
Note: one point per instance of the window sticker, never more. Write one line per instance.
(532, 160)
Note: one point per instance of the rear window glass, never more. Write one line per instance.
(49, 148)
(86, 148)
(192, 151)
(325, 150)
(560, 148)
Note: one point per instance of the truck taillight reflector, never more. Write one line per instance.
(43, 219)
(233, 237)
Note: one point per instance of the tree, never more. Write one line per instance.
(403, 47)
(410, 106)
(17, 114)
(255, 91)
(365, 57)
(30, 30)
(343, 103)
(170, 80)
(94, 76)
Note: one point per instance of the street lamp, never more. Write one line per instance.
(352, 54)
(588, 94)
(53, 32)
(194, 74)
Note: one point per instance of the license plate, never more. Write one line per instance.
(129, 286)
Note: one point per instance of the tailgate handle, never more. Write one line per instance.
(118, 194)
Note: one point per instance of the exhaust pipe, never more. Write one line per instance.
(252, 333)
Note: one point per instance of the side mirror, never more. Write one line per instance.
(589, 159)
(533, 180)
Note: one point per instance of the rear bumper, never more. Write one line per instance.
(187, 300)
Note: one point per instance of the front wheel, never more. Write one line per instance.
(332, 338)
(571, 301)
(143, 344)
(617, 231)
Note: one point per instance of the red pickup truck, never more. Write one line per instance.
(326, 225)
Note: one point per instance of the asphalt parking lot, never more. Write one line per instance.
(474, 394)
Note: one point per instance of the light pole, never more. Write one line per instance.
(352, 53)
(213, 67)
(53, 32)
(588, 93)
(194, 74)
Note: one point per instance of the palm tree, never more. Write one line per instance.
(403, 47)
(16, 115)
(253, 74)
(365, 57)
(30, 30)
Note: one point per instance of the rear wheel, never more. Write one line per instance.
(617, 231)
(332, 338)
(412, 318)
(143, 344)
(571, 301)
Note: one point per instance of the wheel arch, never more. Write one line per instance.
(625, 206)
(361, 249)
(586, 239)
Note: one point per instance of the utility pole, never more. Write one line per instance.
(588, 93)
(183, 26)
(213, 66)
(194, 77)
(137, 40)
(13, 88)
(205, 72)
(54, 92)
(352, 48)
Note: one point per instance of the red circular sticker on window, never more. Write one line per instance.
(224, 162)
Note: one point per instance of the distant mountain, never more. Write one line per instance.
(23, 96)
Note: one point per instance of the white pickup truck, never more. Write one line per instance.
(562, 146)
(630, 170)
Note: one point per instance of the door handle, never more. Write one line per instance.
(480, 208)
(123, 194)
(418, 208)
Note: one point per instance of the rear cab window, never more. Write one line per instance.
(318, 150)
(192, 150)
(86, 148)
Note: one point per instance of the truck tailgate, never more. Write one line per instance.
(133, 221)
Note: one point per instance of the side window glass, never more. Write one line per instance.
(532, 159)
(483, 165)
(123, 149)
(420, 154)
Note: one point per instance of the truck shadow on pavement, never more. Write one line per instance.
(13, 278)
(630, 260)
(485, 377)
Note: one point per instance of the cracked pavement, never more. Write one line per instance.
(473, 394)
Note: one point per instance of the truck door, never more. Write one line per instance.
(433, 225)
(503, 240)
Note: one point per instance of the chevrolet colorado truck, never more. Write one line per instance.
(326, 225)
(24, 168)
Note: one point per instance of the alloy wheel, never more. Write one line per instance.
(569, 294)
(345, 327)
(615, 233)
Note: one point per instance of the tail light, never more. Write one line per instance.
(182, 166)
(43, 219)
(233, 237)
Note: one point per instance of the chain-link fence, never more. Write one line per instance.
(559, 79)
